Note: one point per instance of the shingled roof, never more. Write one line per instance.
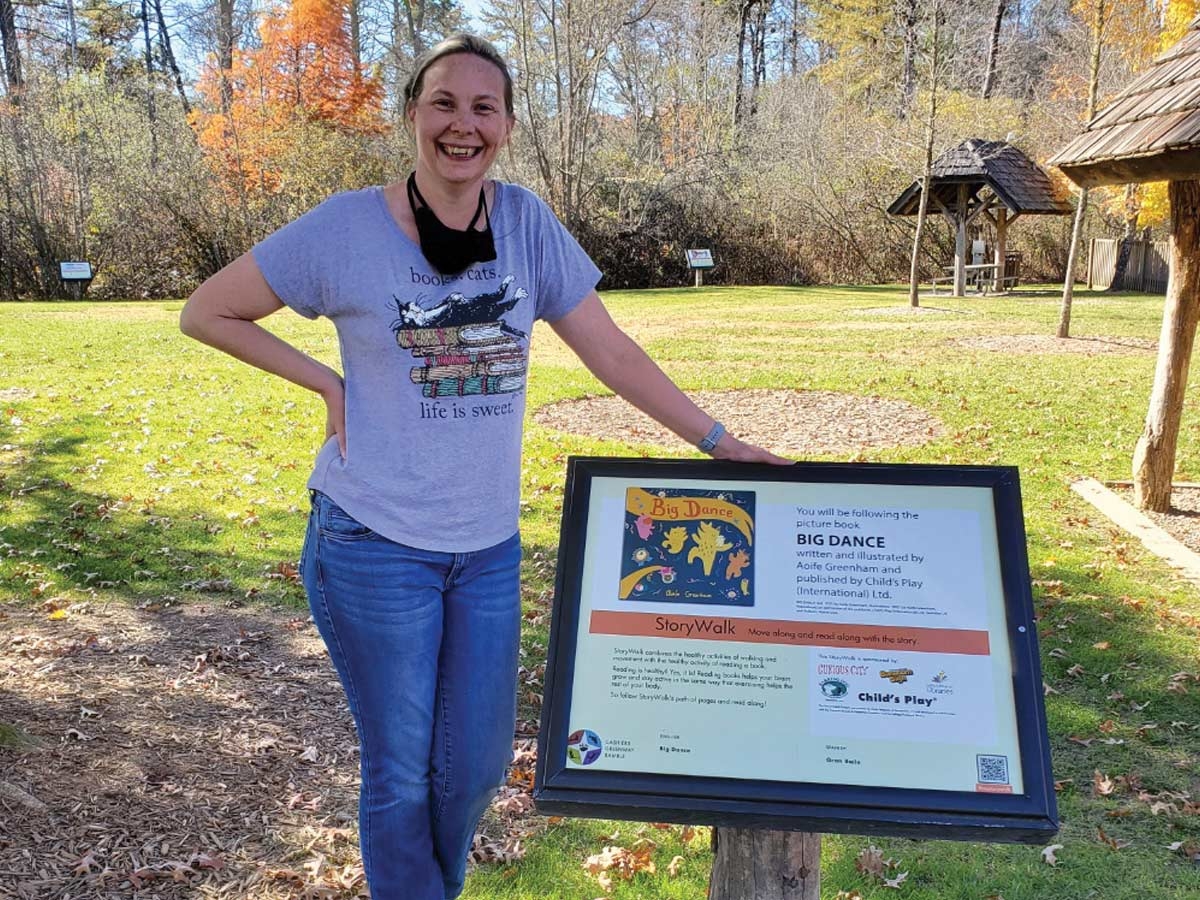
(1151, 131)
(1017, 181)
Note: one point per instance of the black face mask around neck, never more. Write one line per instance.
(447, 249)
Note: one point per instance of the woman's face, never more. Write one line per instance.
(459, 120)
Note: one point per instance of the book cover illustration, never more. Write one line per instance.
(461, 357)
(688, 546)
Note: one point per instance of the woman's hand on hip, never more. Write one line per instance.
(334, 394)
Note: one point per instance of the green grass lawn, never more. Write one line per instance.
(140, 467)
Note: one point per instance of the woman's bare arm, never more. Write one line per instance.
(617, 360)
(224, 312)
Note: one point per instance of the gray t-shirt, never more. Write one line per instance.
(435, 366)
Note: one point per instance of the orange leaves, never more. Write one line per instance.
(621, 862)
(302, 74)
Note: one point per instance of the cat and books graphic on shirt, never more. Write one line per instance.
(466, 348)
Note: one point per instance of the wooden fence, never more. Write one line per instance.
(1146, 269)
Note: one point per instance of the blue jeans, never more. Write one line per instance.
(425, 644)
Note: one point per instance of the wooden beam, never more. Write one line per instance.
(960, 245)
(1174, 165)
(983, 206)
(1001, 222)
(945, 211)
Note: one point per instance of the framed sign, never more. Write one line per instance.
(75, 271)
(700, 259)
(821, 647)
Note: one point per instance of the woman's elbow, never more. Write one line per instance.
(190, 318)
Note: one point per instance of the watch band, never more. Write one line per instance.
(709, 442)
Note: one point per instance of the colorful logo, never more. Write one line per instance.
(834, 688)
(939, 684)
(896, 676)
(584, 747)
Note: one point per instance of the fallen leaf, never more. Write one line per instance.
(895, 882)
(1048, 854)
(870, 862)
(1101, 645)
(204, 860)
(85, 864)
(674, 866)
(1102, 785)
(1113, 843)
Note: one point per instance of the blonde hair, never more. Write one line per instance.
(454, 44)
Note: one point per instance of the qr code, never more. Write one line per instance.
(992, 769)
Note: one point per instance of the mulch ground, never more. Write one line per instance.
(797, 424)
(190, 751)
(1182, 522)
(1040, 343)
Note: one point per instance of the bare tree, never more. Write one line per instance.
(13, 79)
(1097, 45)
(935, 66)
(151, 116)
(989, 71)
(168, 56)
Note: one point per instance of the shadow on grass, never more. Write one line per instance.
(57, 535)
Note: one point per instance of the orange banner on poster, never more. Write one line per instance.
(805, 634)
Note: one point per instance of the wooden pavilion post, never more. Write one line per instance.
(960, 242)
(1001, 248)
(750, 864)
(1154, 456)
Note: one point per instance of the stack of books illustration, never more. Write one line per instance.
(465, 360)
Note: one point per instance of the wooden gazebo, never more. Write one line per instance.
(989, 178)
(1151, 132)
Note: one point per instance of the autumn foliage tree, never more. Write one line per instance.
(301, 88)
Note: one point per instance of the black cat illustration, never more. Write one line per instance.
(458, 309)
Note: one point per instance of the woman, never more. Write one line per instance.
(411, 557)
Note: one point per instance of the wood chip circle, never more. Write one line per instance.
(1042, 343)
(791, 423)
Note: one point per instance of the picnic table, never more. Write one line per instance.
(981, 276)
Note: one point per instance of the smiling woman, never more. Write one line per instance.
(411, 558)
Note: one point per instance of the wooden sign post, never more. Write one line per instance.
(698, 261)
(765, 865)
(76, 276)
(786, 651)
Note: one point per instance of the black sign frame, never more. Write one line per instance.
(1029, 817)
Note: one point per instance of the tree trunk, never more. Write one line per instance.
(1132, 213)
(1097, 46)
(908, 78)
(739, 93)
(168, 56)
(225, 51)
(151, 114)
(355, 33)
(989, 73)
(927, 174)
(1068, 294)
(749, 864)
(12, 50)
(1154, 457)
